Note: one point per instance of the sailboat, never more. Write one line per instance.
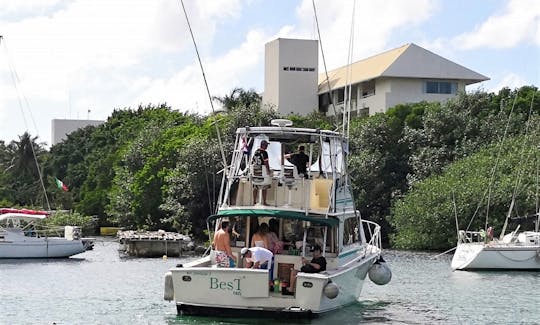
(21, 237)
(510, 251)
(515, 251)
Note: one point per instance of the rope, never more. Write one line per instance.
(493, 170)
(348, 87)
(519, 177)
(324, 62)
(16, 81)
(515, 260)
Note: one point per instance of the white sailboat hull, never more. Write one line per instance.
(470, 256)
(14, 244)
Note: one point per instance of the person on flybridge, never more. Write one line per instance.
(260, 160)
(300, 160)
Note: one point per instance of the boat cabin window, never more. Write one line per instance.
(238, 231)
(350, 231)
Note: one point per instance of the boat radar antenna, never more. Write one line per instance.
(281, 122)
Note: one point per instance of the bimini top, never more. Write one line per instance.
(275, 214)
(24, 216)
(301, 134)
(9, 213)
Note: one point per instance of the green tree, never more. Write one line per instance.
(22, 174)
(425, 217)
(239, 98)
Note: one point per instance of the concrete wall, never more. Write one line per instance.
(291, 72)
(61, 128)
(403, 90)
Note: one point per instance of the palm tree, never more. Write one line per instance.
(21, 173)
(239, 98)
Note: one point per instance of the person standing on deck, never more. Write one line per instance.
(260, 238)
(222, 246)
(260, 158)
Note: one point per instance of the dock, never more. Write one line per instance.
(154, 243)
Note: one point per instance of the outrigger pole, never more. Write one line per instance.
(206, 84)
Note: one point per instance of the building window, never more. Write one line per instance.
(363, 112)
(440, 87)
(340, 95)
(368, 88)
(324, 102)
(350, 231)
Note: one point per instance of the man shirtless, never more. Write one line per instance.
(222, 246)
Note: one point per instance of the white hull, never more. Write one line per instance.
(14, 244)
(197, 289)
(469, 256)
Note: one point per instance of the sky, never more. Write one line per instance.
(82, 59)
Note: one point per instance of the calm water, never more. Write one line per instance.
(105, 287)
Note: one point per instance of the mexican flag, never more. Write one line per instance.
(61, 185)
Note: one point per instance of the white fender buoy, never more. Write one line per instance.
(168, 291)
(331, 290)
(380, 273)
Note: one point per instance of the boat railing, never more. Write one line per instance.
(286, 189)
(466, 236)
(44, 231)
(373, 231)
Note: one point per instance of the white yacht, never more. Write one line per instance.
(20, 238)
(313, 209)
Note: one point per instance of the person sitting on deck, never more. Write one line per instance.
(257, 257)
(300, 160)
(222, 247)
(316, 265)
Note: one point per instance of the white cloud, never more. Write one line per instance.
(518, 22)
(26, 6)
(186, 90)
(371, 31)
(509, 80)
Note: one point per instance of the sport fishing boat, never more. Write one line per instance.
(21, 238)
(307, 210)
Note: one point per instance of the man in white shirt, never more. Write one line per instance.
(257, 257)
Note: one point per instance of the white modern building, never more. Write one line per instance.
(407, 74)
(62, 127)
(290, 81)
